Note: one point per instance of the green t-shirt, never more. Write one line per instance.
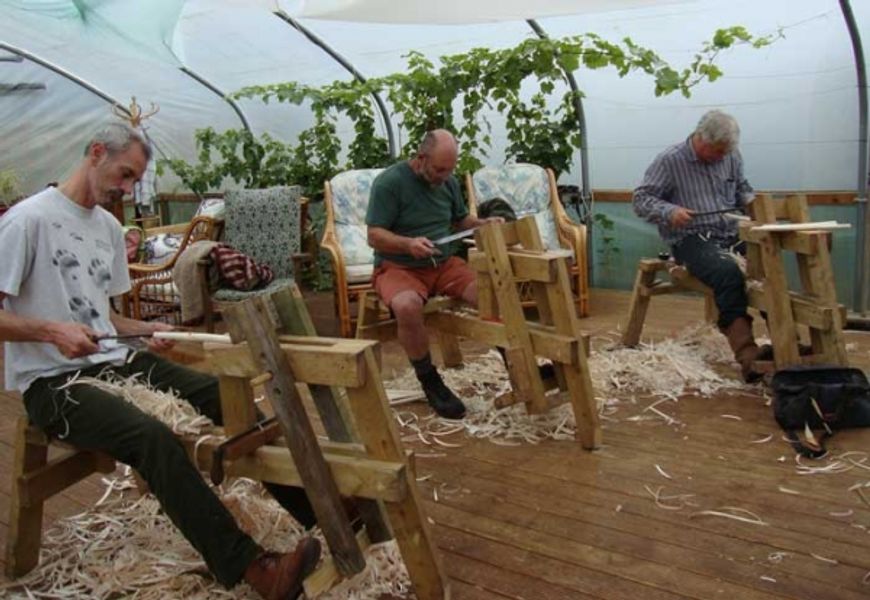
(406, 204)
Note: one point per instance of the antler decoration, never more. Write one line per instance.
(135, 116)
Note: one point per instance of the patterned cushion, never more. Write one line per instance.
(211, 207)
(234, 295)
(526, 188)
(359, 273)
(264, 224)
(350, 200)
(161, 247)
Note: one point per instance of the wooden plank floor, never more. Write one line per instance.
(552, 521)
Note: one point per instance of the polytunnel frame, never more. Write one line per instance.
(862, 247)
(862, 244)
(585, 185)
(320, 43)
(218, 92)
(25, 54)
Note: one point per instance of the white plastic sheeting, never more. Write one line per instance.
(796, 100)
(459, 12)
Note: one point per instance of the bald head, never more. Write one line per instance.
(436, 158)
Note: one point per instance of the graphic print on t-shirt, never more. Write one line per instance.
(70, 268)
(99, 271)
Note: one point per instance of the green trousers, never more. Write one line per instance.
(93, 419)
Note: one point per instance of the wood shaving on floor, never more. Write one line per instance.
(127, 546)
(664, 370)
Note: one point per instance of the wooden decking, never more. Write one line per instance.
(551, 521)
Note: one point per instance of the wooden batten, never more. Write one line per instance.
(337, 363)
(355, 474)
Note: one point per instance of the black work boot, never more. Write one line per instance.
(440, 398)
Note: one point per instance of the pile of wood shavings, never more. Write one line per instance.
(178, 415)
(665, 369)
(129, 547)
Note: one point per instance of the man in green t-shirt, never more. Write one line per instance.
(413, 203)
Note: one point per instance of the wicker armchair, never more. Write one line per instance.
(345, 240)
(153, 294)
(531, 190)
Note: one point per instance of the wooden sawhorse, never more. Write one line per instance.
(505, 255)
(814, 305)
(648, 284)
(363, 457)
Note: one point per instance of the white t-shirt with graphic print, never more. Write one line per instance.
(60, 262)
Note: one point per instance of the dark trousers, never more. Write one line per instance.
(93, 419)
(711, 263)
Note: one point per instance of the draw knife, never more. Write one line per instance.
(467, 232)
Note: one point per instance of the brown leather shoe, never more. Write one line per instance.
(739, 334)
(280, 576)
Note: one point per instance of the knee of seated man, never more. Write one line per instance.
(407, 305)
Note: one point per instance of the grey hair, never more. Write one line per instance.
(432, 139)
(717, 127)
(117, 137)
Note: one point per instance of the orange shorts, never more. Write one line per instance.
(450, 278)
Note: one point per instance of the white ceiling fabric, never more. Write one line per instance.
(795, 100)
(459, 12)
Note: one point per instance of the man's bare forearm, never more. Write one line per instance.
(126, 326)
(387, 242)
(15, 328)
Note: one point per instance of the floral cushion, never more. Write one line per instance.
(161, 247)
(350, 200)
(211, 207)
(526, 188)
(264, 224)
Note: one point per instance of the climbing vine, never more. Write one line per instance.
(525, 83)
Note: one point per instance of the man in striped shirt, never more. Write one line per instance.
(681, 186)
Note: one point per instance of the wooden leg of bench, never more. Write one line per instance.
(450, 353)
(638, 307)
(25, 522)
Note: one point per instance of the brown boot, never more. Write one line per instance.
(280, 576)
(742, 342)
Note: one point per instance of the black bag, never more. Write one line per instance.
(496, 207)
(819, 397)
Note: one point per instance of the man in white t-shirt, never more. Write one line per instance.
(63, 261)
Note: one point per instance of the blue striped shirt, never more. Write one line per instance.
(678, 178)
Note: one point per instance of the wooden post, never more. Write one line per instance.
(331, 402)
(378, 432)
(237, 404)
(782, 330)
(252, 317)
(639, 304)
(521, 361)
(25, 520)
(556, 308)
